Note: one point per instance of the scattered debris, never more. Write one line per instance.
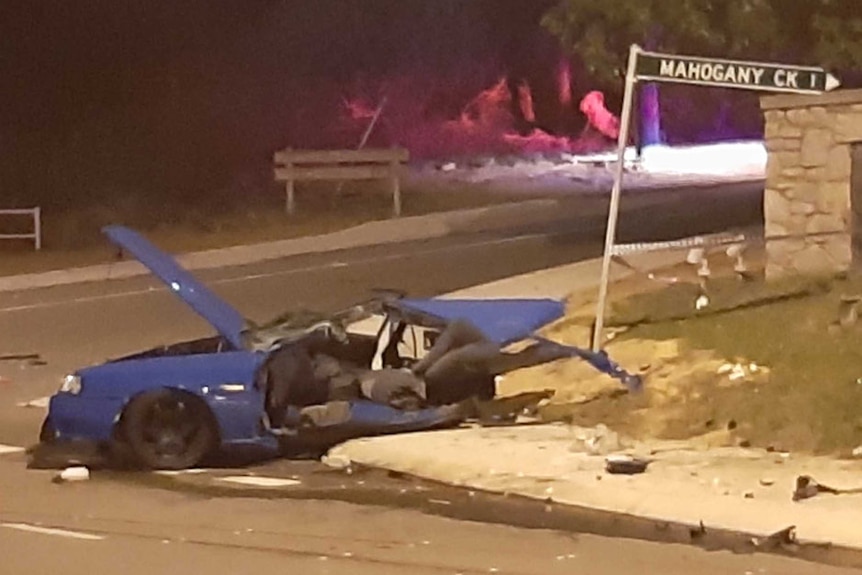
(20, 357)
(748, 495)
(71, 474)
(807, 487)
(767, 481)
(33, 359)
(625, 464)
(738, 371)
(336, 461)
(786, 536)
(597, 441)
(698, 532)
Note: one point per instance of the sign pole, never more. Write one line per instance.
(613, 213)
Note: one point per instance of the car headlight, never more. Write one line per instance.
(71, 384)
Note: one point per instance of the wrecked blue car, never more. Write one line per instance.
(300, 383)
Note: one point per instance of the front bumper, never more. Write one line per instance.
(78, 418)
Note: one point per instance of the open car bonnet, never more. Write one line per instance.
(226, 320)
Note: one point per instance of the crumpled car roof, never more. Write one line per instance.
(503, 321)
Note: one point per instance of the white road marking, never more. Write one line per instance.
(40, 402)
(51, 531)
(7, 449)
(295, 271)
(171, 473)
(261, 481)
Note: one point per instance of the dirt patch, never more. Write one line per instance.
(765, 363)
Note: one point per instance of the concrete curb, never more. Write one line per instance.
(379, 232)
(496, 461)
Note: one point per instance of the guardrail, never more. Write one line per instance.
(36, 235)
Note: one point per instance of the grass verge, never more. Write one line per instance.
(765, 364)
(72, 238)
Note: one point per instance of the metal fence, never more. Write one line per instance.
(35, 235)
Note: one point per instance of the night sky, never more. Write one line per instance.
(119, 93)
(171, 99)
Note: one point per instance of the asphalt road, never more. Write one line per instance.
(106, 525)
(110, 523)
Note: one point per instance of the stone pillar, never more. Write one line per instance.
(807, 200)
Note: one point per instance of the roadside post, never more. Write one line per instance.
(658, 67)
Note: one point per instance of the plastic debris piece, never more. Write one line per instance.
(737, 373)
(695, 256)
(72, 474)
(336, 461)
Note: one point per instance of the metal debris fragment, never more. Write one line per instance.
(625, 464)
(20, 357)
(807, 487)
(786, 536)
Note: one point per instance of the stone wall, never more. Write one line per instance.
(808, 192)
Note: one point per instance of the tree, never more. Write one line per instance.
(817, 32)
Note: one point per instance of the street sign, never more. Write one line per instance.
(734, 74)
(656, 67)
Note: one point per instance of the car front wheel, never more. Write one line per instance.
(168, 430)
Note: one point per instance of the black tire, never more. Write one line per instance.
(168, 430)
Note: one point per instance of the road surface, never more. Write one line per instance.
(109, 523)
(107, 526)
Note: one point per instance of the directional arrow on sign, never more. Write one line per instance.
(734, 74)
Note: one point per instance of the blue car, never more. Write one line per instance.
(173, 406)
